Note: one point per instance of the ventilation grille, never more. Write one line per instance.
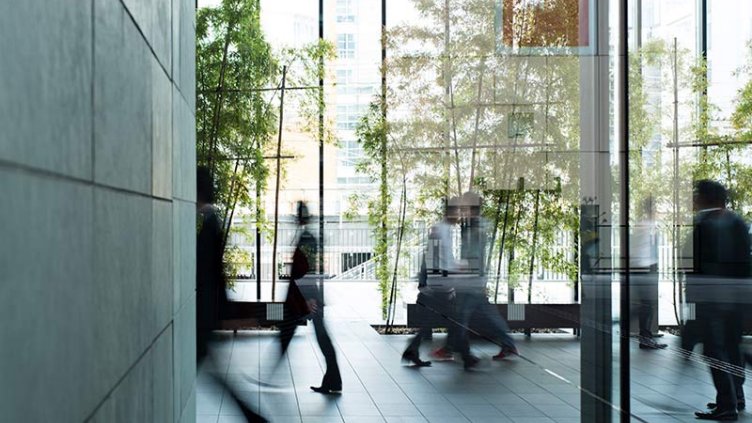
(275, 312)
(516, 312)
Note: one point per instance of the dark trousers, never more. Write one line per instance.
(436, 310)
(204, 356)
(721, 336)
(471, 304)
(332, 378)
(644, 301)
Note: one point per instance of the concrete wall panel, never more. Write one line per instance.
(162, 262)
(97, 163)
(153, 18)
(162, 379)
(45, 257)
(122, 110)
(189, 412)
(184, 244)
(184, 365)
(183, 149)
(45, 81)
(132, 399)
(161, 133)
(123, 269)
(184, 49)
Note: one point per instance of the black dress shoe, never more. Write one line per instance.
(717, 415)
(415, 359)
(325, 390)
(652, 345)
(250, 416)
(471, 362)
(741, 405)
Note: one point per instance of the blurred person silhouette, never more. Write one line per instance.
(436, 299)
(717, 283)
(471, 283)
(211, 296)
(425, 331)
(643, 266)
(304, 300)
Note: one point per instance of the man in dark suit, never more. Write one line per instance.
(305, 278)
(720, 269)
(211, 297)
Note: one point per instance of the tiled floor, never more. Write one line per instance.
(540, 387)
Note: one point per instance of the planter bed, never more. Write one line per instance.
(246, 315)
(519, 316)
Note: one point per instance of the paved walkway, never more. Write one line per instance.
(540, 388)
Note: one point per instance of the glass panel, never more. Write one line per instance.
(483, 211)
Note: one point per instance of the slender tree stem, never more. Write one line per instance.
(276, 188)
(532, 251)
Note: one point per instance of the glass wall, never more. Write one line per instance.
(549, 152)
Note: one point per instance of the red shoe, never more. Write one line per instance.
(442, 354)
(506, 352)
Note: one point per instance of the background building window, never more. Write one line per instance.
(346, 46)
(348, 115)
(344, 81)
(349, 153)
(345, 12)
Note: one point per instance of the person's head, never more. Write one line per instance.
(204, 186)
(709, 194)
(452, 210)
(302, 215)
(470, 203)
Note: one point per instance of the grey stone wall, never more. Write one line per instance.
(97, 192)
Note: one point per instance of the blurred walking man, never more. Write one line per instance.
(720, 269)
(211, 297)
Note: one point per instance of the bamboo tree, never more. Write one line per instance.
(277, 184)
(501, 247)
(532, 252)
(233, 61)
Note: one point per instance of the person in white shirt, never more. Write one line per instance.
(643, 268)
(436, 296)
(472, 300)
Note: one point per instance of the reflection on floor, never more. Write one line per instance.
(378, 388)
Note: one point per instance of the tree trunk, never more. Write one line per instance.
(510, 289)
(447, 83)
(230, 209)
(532, 252)
(400, 233)
(276, 188)
(728, 178)
(497, 217)
(454, 139)
(501, 247)
(258, 234)
(383, 238)
(576, 259)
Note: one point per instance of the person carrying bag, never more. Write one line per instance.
(304, 300)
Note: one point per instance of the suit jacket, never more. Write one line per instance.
(721, 262)
(308, 281)
(211, 297)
